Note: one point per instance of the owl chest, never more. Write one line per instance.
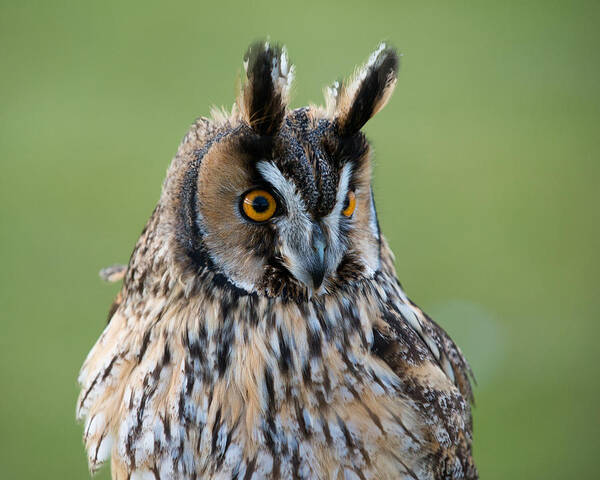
(330, 423)
(270, 403)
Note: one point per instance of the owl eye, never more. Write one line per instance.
(258, 205)
(349, 204)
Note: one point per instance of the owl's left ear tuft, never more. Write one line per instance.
(354, 102)
(265, 89)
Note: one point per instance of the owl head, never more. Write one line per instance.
(276, 201)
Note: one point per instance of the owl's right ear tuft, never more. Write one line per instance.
(353, 102)
(265, 89)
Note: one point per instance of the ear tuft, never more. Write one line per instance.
(367, 92)
(265, 89)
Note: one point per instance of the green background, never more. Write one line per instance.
(486, 180)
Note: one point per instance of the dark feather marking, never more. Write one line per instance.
(270, 390)
(306, 374)
(166, 358)
(250, 469)
(147, 334)
(166, 427)
(145, 342)
(326, 381)
(296, 464)
(91, 387)
(132, 436)
(350, 315)
(323, 319)
(314, 342)
(221, 456)
(406, 430)
(104, 374)
(370, 412)
(300, 417)
(155, 472)
(286, 361)
(215, 431)
(378, 380)
(179, 451)
(190, 379)
(236, 472)
(267, 432)
(346, 433)
(225, 336)
(195, 348)
(252, 310)
(350, 269)
(374, 418)
(326, 432)
(98, 446)
(113, 308)
(276, 467)
(406, 467)
(109, 367)
(363, 451)
(359, 473)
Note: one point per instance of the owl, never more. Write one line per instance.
(260, 331)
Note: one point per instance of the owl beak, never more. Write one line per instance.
(317, 265)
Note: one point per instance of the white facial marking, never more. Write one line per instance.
(286, 189)
(336, 245)
(295, 228)
(373, 219)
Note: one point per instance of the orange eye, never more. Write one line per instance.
(259, 205)
(349, 204)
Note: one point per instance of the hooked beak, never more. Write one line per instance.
(316, 262)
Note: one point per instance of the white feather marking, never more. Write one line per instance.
(332, 220)
(104, 449)
(432, 346)
(339, 440)
(264, 464)
(373, 219)
(284, 62)
(282, 73)
(286, 189)
(166, 468)
(234, 456)
(447, 367)
(94, 425)
(331, 98)
(142, 475)
(307, 419)
(411, 317)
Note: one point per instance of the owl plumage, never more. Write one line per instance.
(261, 332)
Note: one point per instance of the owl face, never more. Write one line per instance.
(276, 201)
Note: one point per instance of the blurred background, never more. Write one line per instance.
(487, 171)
